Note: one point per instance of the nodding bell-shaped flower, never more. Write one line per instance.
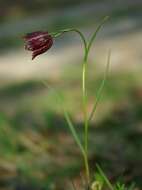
(38, 42)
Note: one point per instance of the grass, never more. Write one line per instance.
(32, 125)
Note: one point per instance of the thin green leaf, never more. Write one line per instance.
(73, 131)
(99, 92)
(67, 117)
(104, 177)
(96, 32)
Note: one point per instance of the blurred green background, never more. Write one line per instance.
(36, 148)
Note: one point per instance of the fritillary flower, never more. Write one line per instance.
(38, 42)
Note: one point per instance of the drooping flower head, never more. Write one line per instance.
(38, 42)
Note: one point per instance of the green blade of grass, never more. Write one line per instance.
(99, 92)
(73, 131)
(67, 117)
(106, 180)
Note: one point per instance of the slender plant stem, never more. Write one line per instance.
(84, 100)
(57, 34)
(87, 47)
(86, 120)
(84, 95)
(84, 150)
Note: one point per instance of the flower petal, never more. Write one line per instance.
(41, 50)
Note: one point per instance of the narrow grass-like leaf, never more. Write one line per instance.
(106, 180)
(99, 92)
(67, 117)
(73, 131)
(96, 32)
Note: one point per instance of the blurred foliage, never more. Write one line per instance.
(36, 147)
(33, 6)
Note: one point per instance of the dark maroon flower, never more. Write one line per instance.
(38, 42)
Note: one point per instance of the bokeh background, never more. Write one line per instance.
(36, 148)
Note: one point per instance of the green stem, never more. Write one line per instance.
(57, 34)
(87, 47)
(84, 100)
